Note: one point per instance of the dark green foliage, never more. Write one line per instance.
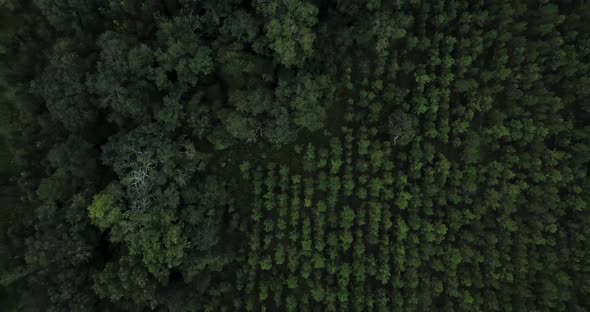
(61, 85)
(401, 128)
(295, 155)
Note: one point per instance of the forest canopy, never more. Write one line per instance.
(294, 155)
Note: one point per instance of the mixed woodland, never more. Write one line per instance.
(294, 155)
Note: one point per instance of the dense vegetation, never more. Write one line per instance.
(297, 155)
